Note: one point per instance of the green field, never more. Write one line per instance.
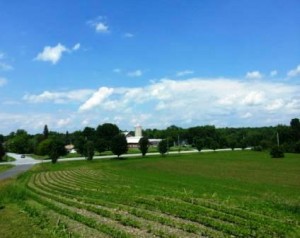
(221, 194)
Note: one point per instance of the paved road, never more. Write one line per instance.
(20, 165)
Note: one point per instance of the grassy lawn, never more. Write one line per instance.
(5, 167)
(221, 194)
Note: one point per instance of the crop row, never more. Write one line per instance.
(84, 190)
(129, 217)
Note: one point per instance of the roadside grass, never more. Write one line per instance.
(5, 167)
(217, 194)
(7, 158)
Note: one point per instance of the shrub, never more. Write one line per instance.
(257, 148)
(276, 152)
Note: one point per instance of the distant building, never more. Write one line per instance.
(133, 141)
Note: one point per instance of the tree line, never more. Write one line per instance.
(108, 137)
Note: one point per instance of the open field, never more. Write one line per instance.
(223, 194)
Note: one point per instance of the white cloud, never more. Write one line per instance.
(184, 73)
(99, 25)
(254, 75)
(196, 100)
(52, 54)
(247, 115)
(59, 97)
(63, 122)
(275, 105)
(294, 72)
(128, 35)
(96, 99)
(1, 55)
(3, 81)
(5, 67)
(273, 73)
(253, 98)
(136, 73)
(76, 46)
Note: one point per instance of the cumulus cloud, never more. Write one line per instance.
(294, 72)
(96, 99)
(59, 97)
(254, 75)
(184, 73)
(99, 25)
(54, 54)
(196, 100)
(136, 73)
(3, 81)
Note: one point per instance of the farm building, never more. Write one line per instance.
(133, 141)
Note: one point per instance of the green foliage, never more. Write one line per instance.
(199, 144)
(79, 144)
(46, 132)
(119, 145)
(101, 145)
(297, 147)
(2, 151)
(163, 147)
(257, 148)
(107, 132)
(277, 152)
(19, 143)
(44, 147)
(57, 149)
(90, 150)
(144, 145)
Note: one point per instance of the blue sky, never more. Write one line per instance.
(154, 63)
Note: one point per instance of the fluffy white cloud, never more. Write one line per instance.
(294, 72)
(96, 99)
(184, 73)
(136, 73)
(59, 97)
(254, 75)
(196, 100)
(52, 54)
(3, 81)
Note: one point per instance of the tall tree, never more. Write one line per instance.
(57, 149)
(2, 151)
(107, 131)
(144, 145)
(163, 147)
(46, 132)
(119, 145)
(90, 150)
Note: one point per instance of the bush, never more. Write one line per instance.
(276, 152)
(257, 148)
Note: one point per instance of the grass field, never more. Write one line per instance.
(222, 194)
(4, 167)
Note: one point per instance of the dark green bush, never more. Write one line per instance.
(277, 152)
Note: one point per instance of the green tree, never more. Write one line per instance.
(19, 143)
(276, 152)
(107, 131)
(144, 145)
(90, 150)
(44, 147)
(163, 147)
(2, 151)
(119, 145)
(46, 132)
(57, 149)
(101, 145)
(79, 144)
(199, 144)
